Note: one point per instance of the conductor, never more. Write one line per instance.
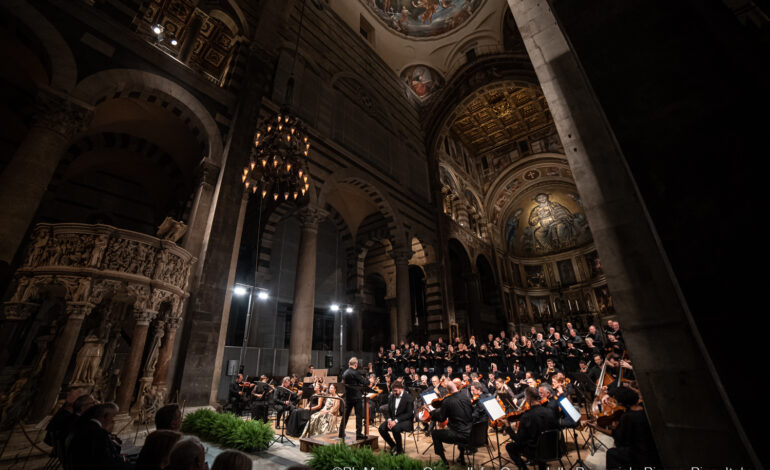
(353, 398)
(401, 414)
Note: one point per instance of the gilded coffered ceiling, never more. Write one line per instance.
(500, 116)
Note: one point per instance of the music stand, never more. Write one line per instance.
(427, 397)
(282, 438)
(495, 412)
(365, 391)
(587, 390)
(573, 415)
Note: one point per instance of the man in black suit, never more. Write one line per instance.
(401, 414)
(457, 408)
(353, 398)
(533, 423)
(93, 447)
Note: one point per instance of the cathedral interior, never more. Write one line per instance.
(195, 188)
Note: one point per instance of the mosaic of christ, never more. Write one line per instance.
(423, 18)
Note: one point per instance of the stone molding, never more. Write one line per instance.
(61, 114)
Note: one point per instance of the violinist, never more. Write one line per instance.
(235, 394)
(532, 423)
(634, 445)
(400, 416)
(561, 386)
(296, 387)
(502, 389)
(456, 408)
(476, 395)
(546, 395)
(283, 398)
(260, 395)
(437, 387)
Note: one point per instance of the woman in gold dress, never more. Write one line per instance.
(323, 421)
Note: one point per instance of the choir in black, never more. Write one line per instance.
(527, 373)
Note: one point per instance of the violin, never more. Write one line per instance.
(515, 415)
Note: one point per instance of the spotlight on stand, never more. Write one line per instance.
(263, 295)
(157, 29)
(240, 291)
(335, 308)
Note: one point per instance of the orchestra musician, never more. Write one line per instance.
(260, 396)
(283, 397)
(400, 416)
(533, 422)
(634, 444)
(353, 398)
(235, 394)
(457, 410)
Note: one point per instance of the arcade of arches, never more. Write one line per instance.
(495, 167)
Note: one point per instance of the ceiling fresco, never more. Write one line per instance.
(422, 80)
(501, 115)
(423, 18)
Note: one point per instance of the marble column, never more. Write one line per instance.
(134, 360)
(197, 229)
(24, 181)
(164, 357)
(668, 354)
(401, 257)
(473, 288)
(58, 361)
(190, 36)
(393, 319)
(301, 339)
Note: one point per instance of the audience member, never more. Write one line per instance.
(169, 417)
(93, 446)
(232, 460)
(188, 454)
(156, 450)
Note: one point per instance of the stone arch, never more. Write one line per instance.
(63, 66)
(116, 140)
(375, 192)
(145, 86)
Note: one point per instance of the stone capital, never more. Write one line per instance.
(61, 114)
(143, 317)
(172, 323)
(207, 173)
(401, 256)
(77, 310)
(311, 216)
(16, 311)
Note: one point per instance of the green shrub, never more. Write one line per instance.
(228, 430)
(341, 456)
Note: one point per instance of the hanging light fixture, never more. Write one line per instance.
(278, 164)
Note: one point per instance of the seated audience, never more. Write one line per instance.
(156, 450)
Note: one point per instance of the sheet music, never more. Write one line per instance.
(428, 398)
(569, 409)
(493, 408)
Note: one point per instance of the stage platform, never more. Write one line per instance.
(307, 444)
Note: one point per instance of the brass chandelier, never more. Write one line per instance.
(278, 166)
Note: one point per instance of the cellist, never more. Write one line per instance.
(634, 445)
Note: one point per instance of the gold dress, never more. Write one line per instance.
(323, 421)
